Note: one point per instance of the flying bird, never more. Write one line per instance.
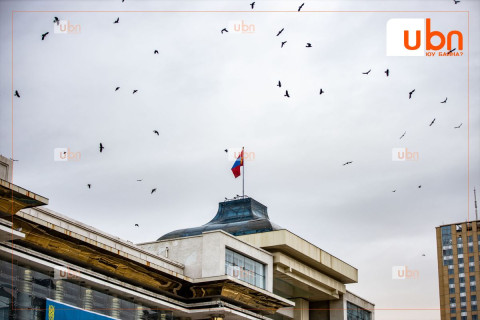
(116, 21)
(101, 147)
(444, 101)
(283, 43)
(309, 45)
(155, 52)
(403, 135)
(347, 163)
(301, 6)
(423, 255)
(387, 72)
(153, 190)
(226, 150)
(116, 89)
(156, 132)
(17, 94)
(13, 159)
(252, 4)
(279, 84)
(89, 186)
(286, 94)
(394, 190)
(139, 180)
(458, 127)
(321, 91)
(451, 51)
(44, 35)
(224, 30)
(56, 20)
(456, 1)
(432, 122)
(280, 32)
(367, 72)
(410, 94)
(136, 225)
(419, 186)
(134, 91)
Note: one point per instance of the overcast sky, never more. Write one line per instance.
(206, 91)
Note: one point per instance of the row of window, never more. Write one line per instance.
(474, 317)
(244, 268)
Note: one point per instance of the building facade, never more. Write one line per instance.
(458, 249)
(238, 266)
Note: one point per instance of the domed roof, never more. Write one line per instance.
(237, 217)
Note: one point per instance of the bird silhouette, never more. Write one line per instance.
(17, 94)
(367, 72)
(456, 1)
(451, 51)
(444, 101)
(89, 186)
(347, 163)
(280, 32)
(155, 52)
(309, 45)
(101, 147)
(458, 127)
(136, 225)
(44, 35)
(56, 20)
(321, 91)
(279, 84)
(410, 94)
(153, 190)
(387, 72)
(116, 89)
(252, 4)
(423, 255)
(301, 6)
(283, 43)
(394, 190)
(226, 150)
(420, 186)
(433, 121)
(13, 159)
(403, 135)
(224, 30)
(139, 180)
(134, 91)
(116, 21)
(286, 94)
(156, 132)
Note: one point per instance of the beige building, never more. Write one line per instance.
(458, 249)
(238, 266)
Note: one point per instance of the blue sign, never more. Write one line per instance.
(61, 311)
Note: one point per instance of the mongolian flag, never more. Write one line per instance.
(236, 166)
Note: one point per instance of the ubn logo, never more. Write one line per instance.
(241, 27)
(402, 273)
(65, 273)
(64, 154)
(64, 26)
(402, 154)
(413, 37)
(234, 153)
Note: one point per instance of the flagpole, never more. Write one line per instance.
(243, 180)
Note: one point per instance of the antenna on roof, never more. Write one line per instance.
(476, 209)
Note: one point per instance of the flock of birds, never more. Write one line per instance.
(56, 20)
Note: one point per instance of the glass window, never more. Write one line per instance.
(354, 312)
(244, 268)
(473, 298)
(461, 270)
(452, 290)
(473, 288)
(462, 280)
(453, 310)
(471, 268)
(462, 289)
(472, 278)
(460, 251)
(463, 299)
(470, 249)
(470, 239)
(450, 271)
(460, 260)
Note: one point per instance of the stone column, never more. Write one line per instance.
(24, 297)
(115, 307)
(301, 310)
(88, 299)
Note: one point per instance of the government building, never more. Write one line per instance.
(240, 265)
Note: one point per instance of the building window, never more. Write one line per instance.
(473, 288)
(470, 239)
(474, 317)
(460, 251)
(453, 310)
(446, 236)
(452, 290)
(470, 249)
(354, 312)
(460, 260)
(471, 268)
(243, 268)
(450, 271)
